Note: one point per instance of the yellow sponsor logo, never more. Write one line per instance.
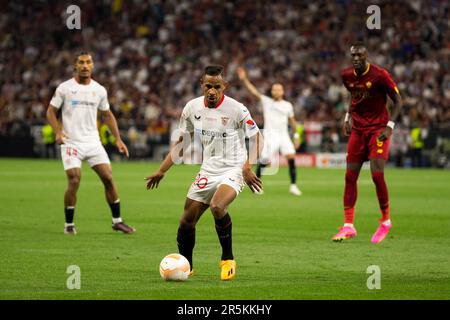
(380, 151)
(379, 143)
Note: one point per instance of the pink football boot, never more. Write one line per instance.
(345, 233)
(381, 233)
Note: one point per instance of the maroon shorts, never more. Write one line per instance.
(363, 146)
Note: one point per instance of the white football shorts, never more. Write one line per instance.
(206, 184)
(73, 155)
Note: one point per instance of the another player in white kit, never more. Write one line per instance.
(222, 124)
(79, 99)
(278, 113)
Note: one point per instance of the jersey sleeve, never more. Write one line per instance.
(291, 110)
(389, 85)
(58, 98)
(186, 125)
(246, 122)
(104, 104)
(344, 82)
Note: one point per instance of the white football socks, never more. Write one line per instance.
(116, 220)
(348, 225)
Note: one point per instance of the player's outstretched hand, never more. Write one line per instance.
(250, 178)
(241, 73)
(122, 147)
(347, 128)
(154, 179)
(59, 138)
(385, 134)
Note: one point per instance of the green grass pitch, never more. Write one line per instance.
(281, 243)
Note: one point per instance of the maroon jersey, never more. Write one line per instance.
(369, 94)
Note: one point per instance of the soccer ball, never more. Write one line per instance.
(174, 267)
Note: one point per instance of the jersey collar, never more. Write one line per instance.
(76, 80)
(218, 105)
(365, 72)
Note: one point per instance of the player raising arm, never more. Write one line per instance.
(278, 113)
(222, 124)
(370, 133)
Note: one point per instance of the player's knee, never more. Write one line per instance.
(74, 181)
(187, 224)
(217, 210)
(108, 181)
(378, 177)
(351, 176)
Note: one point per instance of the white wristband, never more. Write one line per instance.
(391, 124)
(347, 117)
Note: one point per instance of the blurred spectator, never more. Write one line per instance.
(400, 142)
(329, 140)
(107, 139)
(150, 55)
(417, 137)
(48, 137)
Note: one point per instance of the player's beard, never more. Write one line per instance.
(84, 77)
(212, 102)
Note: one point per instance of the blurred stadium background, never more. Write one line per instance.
(150, 55)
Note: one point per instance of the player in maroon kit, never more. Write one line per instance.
(370, 132)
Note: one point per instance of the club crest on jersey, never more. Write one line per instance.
(225, 120)
(368, 84)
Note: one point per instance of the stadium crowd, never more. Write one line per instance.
(150, 56)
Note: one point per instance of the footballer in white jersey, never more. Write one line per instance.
(79, 99)
(278, 114)
(222, 124)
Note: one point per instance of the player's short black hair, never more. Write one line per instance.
(82, 53)
(358, 44)
(214, 70)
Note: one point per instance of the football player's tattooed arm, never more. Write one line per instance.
(56, 125)
(111, 122)
(175, 153)
(242, 74)
(256, 144)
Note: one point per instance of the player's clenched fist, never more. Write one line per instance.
(154, 179)
(385, 134)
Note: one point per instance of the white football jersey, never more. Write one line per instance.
(79, 109)
(276, 114)
(221, 130)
